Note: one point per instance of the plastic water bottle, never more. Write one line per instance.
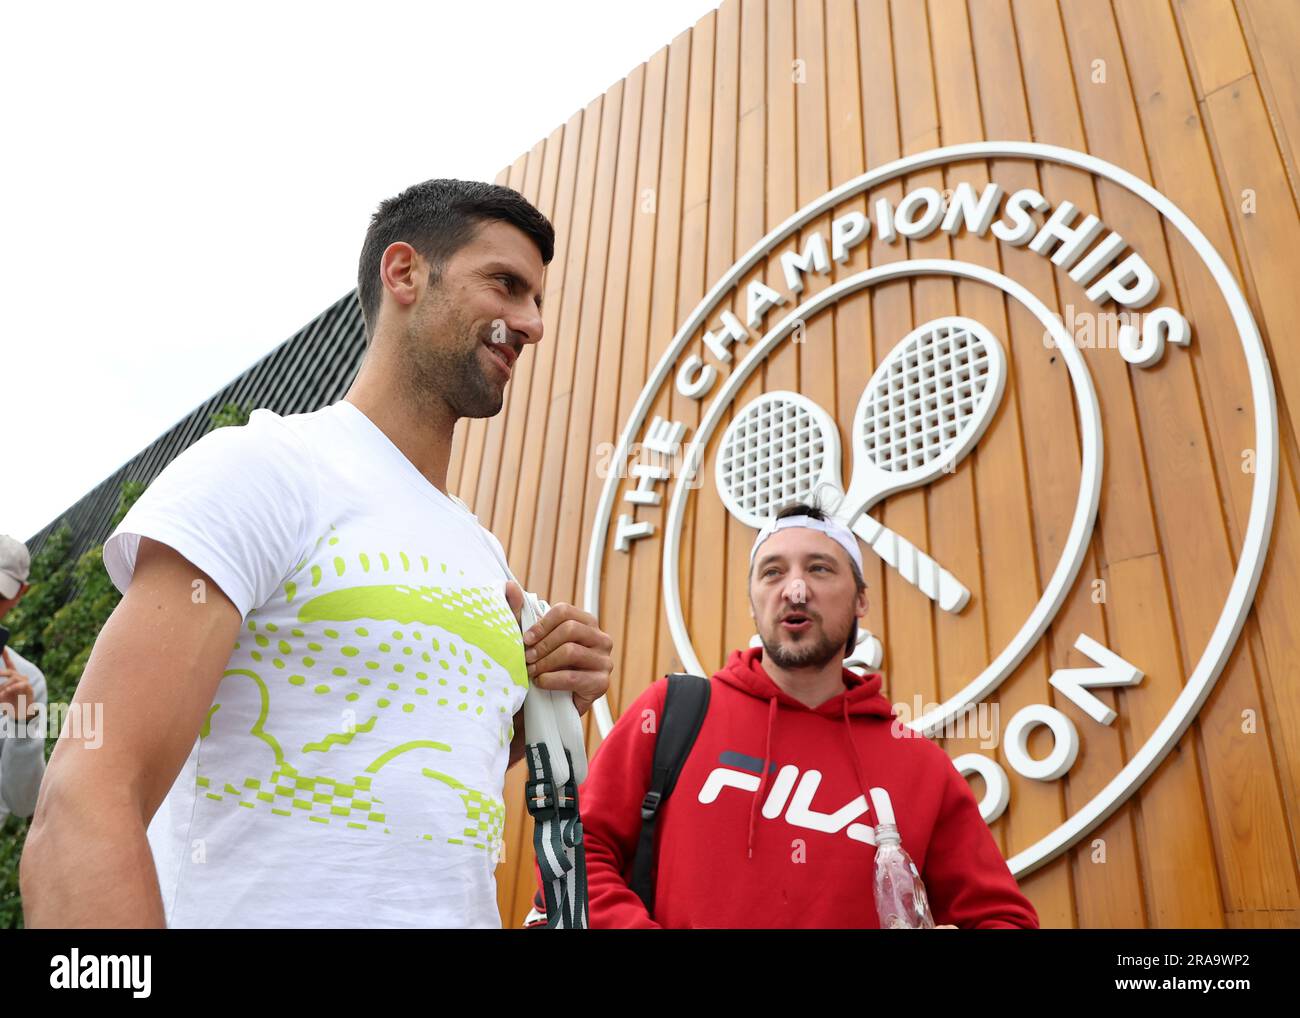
(901, 903)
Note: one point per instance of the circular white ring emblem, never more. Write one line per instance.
(893, 452)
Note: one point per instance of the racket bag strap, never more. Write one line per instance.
(557, 841)
(685, 704)
(575, 884)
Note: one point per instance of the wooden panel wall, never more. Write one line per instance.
(666, 179)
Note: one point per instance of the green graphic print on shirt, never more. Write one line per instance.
(354, 654)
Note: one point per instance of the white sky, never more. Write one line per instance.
(184, 186)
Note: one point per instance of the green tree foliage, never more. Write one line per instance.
(51, 581)
(13, 833)
(71, 633)
(230, 415)
(127, 497)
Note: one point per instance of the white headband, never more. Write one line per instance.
(832, 528)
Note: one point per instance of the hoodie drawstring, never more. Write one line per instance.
(853, 754)
(762, 779)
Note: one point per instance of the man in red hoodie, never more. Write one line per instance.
(770, 822)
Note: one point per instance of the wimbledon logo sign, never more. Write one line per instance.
(933, 394)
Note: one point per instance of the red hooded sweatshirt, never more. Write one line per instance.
(771, 823)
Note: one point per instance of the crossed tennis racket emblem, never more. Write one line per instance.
(922, 412)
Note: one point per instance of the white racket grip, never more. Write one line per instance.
(913, 565)
(549, 714)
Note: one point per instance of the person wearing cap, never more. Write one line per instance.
(22, 688)
(768, 824)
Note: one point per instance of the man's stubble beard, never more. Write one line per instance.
(442, 363)
(808, 655)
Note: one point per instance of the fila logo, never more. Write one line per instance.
(794, 794)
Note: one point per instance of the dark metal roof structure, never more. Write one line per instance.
(311, 369)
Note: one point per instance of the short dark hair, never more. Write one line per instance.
(814, 511)
(438, 218)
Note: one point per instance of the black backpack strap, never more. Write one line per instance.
(685, 704)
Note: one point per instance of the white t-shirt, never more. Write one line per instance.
(350, 770)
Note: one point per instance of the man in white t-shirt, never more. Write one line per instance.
(312, 686)
(22, 687)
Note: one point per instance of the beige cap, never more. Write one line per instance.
(15, 565)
